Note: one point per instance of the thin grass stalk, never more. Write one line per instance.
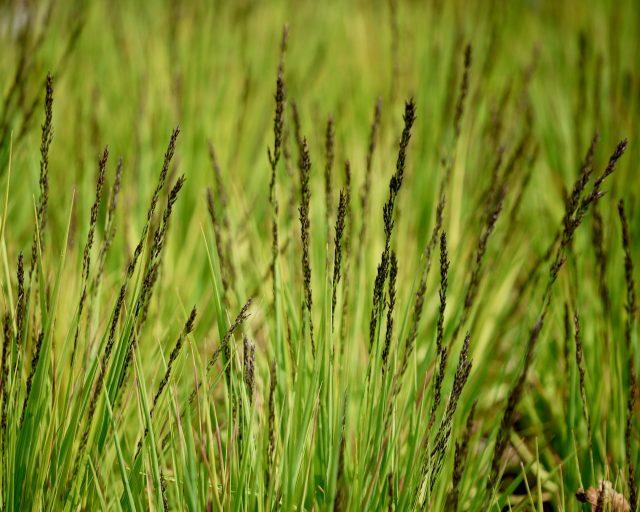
(110, 226)
(441, 442)
(224, 348)
(86, 255)
(274, 157)
(581, 372)
(493, 212)
(365, 191)
(597, 238)
(271, 434)
(150, 278)
(175, 352)
(218, 237)
(223, 200)
(34, 364)
(348, 237)
(630, 322)
(329, 150)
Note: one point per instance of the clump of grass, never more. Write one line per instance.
(118, 307)
(575, 210)
(447, 164)
(256, 407)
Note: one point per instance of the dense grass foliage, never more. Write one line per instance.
(319, 255)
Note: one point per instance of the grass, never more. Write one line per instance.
(219, 225)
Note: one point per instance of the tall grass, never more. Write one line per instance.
(193, 326)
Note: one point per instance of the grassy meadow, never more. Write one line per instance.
(336, 255)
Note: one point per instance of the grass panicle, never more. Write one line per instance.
(388, 218)
(86, 255)
(35, 358)
(305, 236)
(271, 421)
(4, 385)
(329, 150)
(110, 225)
(348, 238)
(279, 147)
(21, 300)
(225, 344)
(577, 335)
(441, 442)
(418, 303)
(442, 352)
(475, 278)
(337, 253)
(464, 91)
(175, 352)
(249, 366)
(168, 156)
(219, 241)
(600, 253)
(43, 200)
(223, 201)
